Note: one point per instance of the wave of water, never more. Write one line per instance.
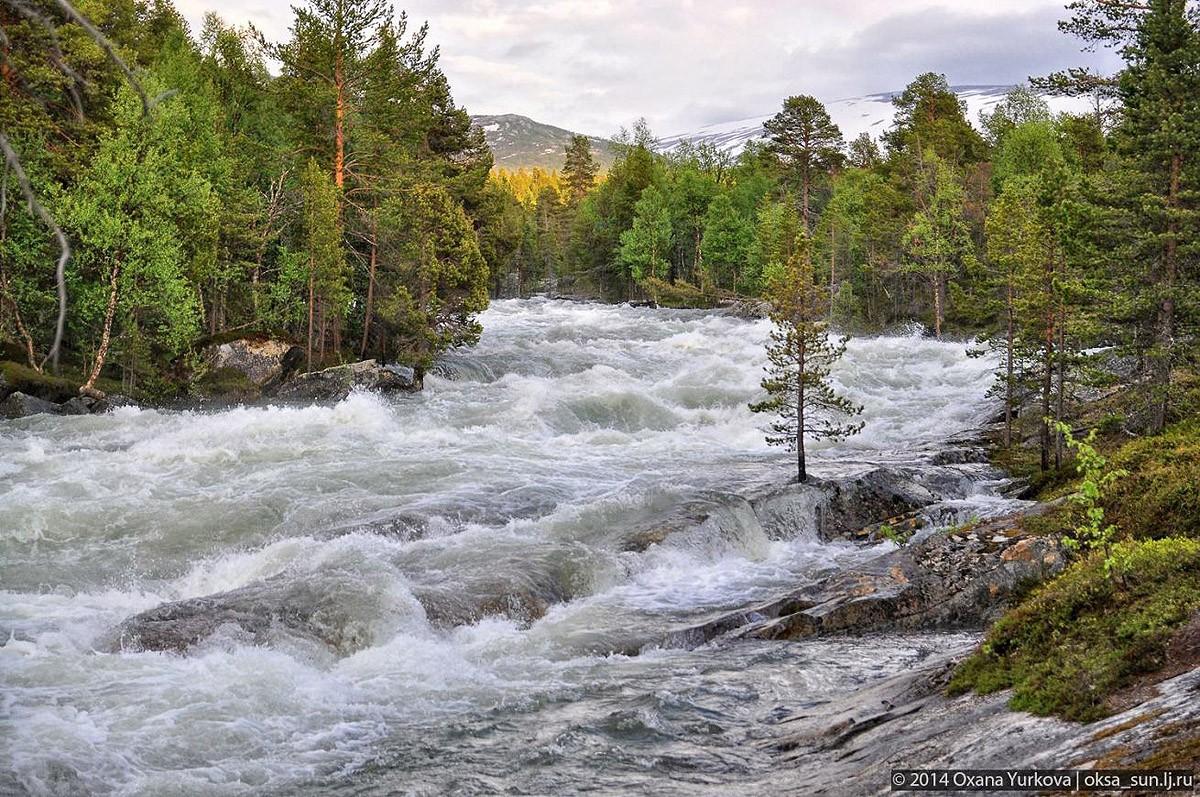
(472, 541)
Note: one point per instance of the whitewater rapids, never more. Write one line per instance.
(518, 470)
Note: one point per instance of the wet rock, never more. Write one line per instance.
(80, 405)
(848, 746)
(958, 579)
(263, 361)
(833, 509)
(334, 384)
(327, 610)
(110, 402)
(21, 405)
(749, 309)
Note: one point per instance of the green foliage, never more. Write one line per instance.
(726, 241)
(799, 391)
(1160, 495)
(646, 245)
(1078, 639)
(432, 278)
(1095, 483)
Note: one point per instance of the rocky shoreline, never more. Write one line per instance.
(242, 371)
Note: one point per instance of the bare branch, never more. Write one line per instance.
(64, 246)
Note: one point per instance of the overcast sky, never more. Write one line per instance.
(595, 65)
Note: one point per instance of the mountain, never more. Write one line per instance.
(855, 115)
(520, 142)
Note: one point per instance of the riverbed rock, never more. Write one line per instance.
(80, 405)
(329, 610)
(264, 361)
(21, 405)
(850, 745)
(956, 578)
(335, 384)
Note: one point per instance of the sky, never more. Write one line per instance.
(594, 66)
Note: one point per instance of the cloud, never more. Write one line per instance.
(595, 65)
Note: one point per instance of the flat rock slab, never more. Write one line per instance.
(849, 746)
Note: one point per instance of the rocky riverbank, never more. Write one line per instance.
(241, 371)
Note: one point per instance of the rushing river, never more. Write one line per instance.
(513, 480)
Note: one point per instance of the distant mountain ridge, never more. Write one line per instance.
(872, 114)
(520, 142)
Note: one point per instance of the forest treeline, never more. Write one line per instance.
(340, 200)
(329, 188)
(1048, 235)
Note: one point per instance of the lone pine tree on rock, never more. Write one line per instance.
(801, 355)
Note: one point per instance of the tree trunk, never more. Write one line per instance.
(832, 264)
(309, 346)
(1008, 385)
(339, 126)
(370, 297)
(1060, 399)
(1166, 310)
(937, 305)
(801, 466)
(106, 335)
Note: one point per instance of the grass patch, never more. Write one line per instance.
(1161, 495)
(1078, 639)
(44, 386)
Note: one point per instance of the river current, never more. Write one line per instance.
(504, 494)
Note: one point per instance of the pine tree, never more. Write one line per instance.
(801, 355)
(432, 277)
(325, 67)
(1159, 141)
(809, 144)
(579, 169)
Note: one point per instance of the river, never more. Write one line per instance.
(472, 543)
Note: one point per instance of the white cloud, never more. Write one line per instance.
(595, 65)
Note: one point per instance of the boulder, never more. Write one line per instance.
(80, 405)
(334, 384)
(263, 361)
(5, 388)
(318, 610)
(20, 405)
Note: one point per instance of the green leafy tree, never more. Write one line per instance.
(937, 241)
(727, 238)
(798, 386)
(646, 245)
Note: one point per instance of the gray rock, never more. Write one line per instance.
(20, 405)
(80, 405)
(334, 384)
(111, 402)
(264, 361)
(960, 580)
(849, 746)
(325, 610)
